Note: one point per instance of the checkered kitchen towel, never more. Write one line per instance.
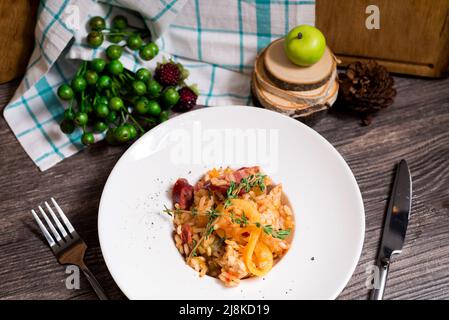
(217, 40)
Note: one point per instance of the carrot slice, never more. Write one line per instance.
(258, 251)
(248, 207)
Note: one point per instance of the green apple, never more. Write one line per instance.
(304, 45)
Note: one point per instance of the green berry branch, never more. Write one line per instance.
(104, 97)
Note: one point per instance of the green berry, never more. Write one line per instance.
(120, 22)
(122, 133)
(164, 116)
(67, 126)
(69, 114)
(143, 74)
(95, 39)
(115, 67)
(97, 23)
(153, 47)
(115, 104)
(170, 97)
(141, 105)
(114, 51)
(139, 88)
(134, 41)
(91, 77)
(98, 65)
(102, 110)
(87, 138)
(104, 82)
(112, 116)
(65, 92)
(153, 88)
(101, 100)
(100, 126)
(132, 131)
(154, 109)
(81, 119)
(79, 84)
(148, 51)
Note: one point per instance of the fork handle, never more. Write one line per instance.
(94, 283)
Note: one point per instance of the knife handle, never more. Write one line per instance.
(379, 286)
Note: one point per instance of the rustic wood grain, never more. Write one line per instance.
(17, 23)
(414, 128)
(413, 37)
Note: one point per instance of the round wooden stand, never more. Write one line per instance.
(289, 76)
(299, 92)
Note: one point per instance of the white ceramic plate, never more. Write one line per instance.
(136, 237)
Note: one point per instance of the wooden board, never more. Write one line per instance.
(413, 37)
(17, 24)
(289, 76)
(415, 128)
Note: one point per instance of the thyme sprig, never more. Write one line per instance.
(245, 184)
(278, 234)
(242, 220)
(168, 211)
(213, 215)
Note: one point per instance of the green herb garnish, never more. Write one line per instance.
(212, 215)
(245, 184)
(278, 234)
(167, 211)
(193, 253)
(242, 220)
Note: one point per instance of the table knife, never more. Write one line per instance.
(395, 228)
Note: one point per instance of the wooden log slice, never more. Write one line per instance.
(289, 76)
(287, 104)
(289, 108)
(308, 119)
(314, 96)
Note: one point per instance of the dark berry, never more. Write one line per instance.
(168, 74)
(187, 100)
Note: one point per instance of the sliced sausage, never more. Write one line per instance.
(186, 233)
(237, 175)
(182, 194)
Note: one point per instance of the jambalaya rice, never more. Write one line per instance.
(232, 224)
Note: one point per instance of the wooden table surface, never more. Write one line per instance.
(416, 128)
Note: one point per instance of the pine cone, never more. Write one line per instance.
(366, 88)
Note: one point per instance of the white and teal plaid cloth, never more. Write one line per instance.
(217, 40)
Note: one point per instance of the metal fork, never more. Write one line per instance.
(66, 244)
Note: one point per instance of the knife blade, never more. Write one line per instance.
(395, 227)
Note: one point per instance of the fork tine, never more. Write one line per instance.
(50, 224)
(47, 235)
(63, 217)
(56, 220)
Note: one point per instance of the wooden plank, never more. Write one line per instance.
(415, 128)
(413, 37)
(17, 22)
